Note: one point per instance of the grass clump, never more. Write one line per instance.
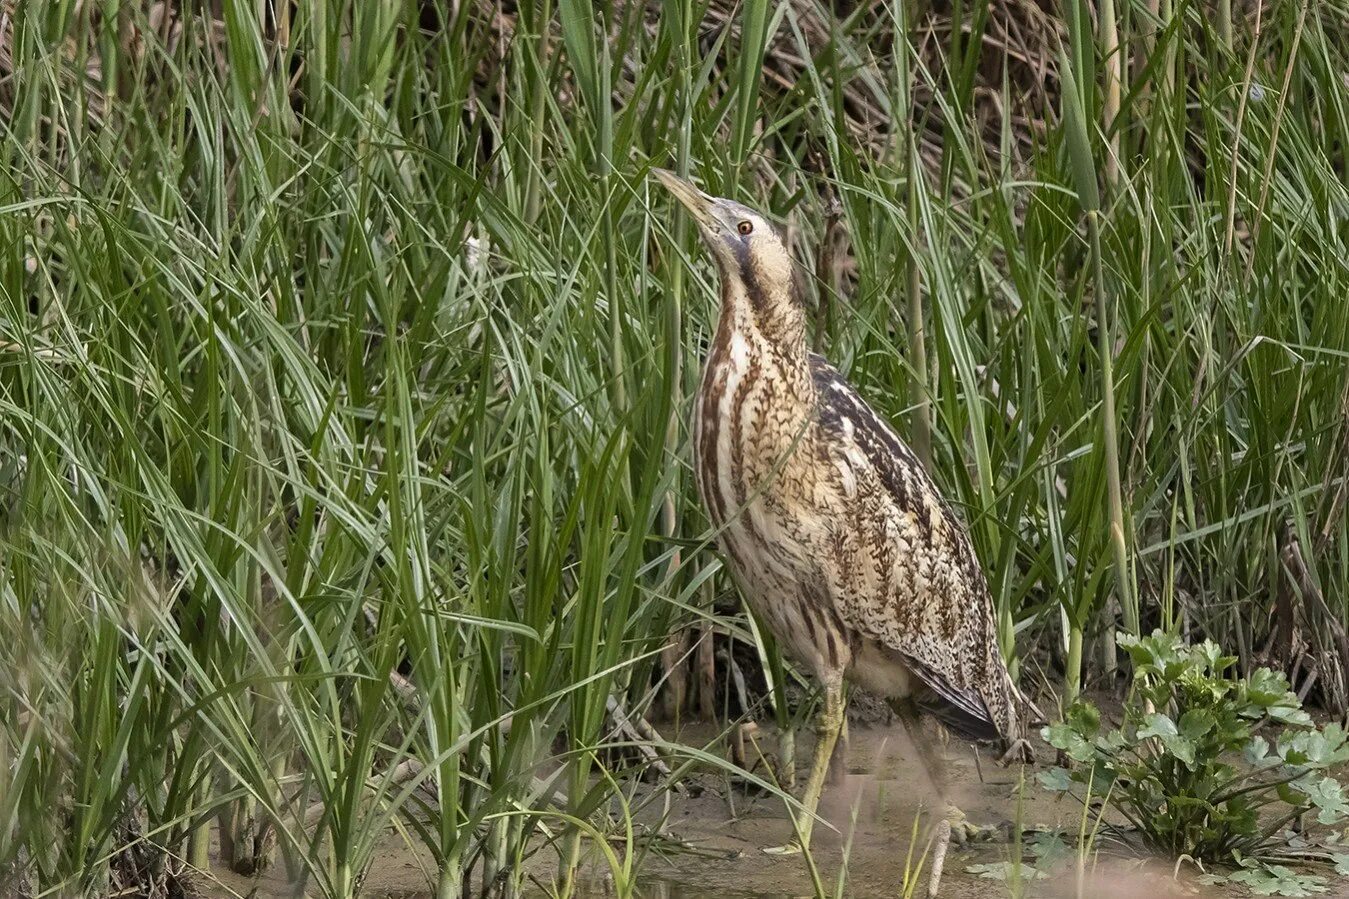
(1189, 767)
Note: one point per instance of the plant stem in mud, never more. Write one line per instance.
(1110, 430)
(1072, 685)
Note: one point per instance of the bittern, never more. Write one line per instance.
(838, 537)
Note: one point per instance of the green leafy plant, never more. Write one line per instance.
(1271, 880)
(1048, 850)
(1189, 768)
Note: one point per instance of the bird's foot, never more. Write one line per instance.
(792, 847)
(954, 829)
(1019, 751)
(964, 831)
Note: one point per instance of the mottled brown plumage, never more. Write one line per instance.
(839, 539)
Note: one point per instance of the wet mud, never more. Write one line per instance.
(711, 842)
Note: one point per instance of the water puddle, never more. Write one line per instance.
(660, 888)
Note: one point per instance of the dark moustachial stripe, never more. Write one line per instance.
(749, 276)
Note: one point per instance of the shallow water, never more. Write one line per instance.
(658, 888)
(872, 811)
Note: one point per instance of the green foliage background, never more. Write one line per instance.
(345, 352)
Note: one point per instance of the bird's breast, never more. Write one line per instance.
(753, 434)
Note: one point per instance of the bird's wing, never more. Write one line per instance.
(907, 576)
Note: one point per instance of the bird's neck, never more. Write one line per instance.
(773, 327)
(770, 347)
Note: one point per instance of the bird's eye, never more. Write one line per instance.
(745, 228)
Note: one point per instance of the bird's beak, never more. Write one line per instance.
(694, 200)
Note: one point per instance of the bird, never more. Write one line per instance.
(836, 535)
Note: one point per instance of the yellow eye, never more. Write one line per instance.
(745, 228)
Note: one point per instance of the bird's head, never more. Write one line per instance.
(757, 275)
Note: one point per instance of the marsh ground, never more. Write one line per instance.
(715, 836)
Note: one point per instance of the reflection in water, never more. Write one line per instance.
(665, 889)
(658, 888)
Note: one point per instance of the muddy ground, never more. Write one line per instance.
(723, 829)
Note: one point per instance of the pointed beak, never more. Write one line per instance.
(694, 200)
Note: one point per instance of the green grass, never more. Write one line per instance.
(359, 344)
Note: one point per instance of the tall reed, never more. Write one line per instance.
(344, 356)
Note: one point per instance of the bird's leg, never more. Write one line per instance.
(826, 738)
(830, 723)
(838, 762)
(953, 827)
